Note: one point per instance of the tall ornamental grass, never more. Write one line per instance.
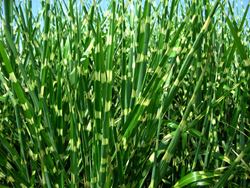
(137, 94)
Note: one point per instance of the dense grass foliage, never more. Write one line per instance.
(145, 94)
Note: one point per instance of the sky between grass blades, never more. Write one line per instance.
(241, 5)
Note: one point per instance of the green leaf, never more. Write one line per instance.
(198, 176)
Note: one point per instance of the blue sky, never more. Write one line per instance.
(37, 5)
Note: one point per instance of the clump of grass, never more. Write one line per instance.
(144, 94)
